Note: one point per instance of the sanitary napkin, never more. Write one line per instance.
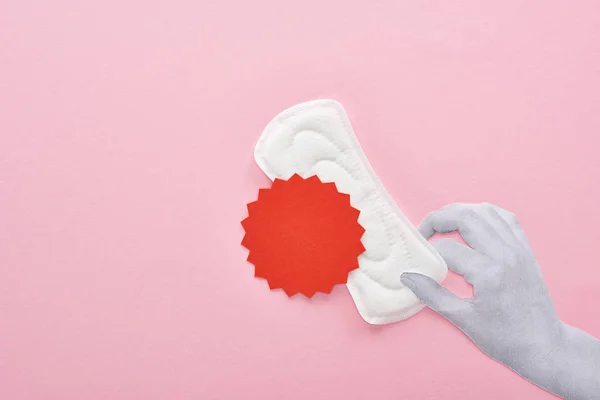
(316, 138)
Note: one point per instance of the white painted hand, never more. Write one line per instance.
(511, 318)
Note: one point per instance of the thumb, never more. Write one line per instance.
(436, 297)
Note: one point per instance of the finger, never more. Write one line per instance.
(433, 223)
(513, 222)
(435, 296)
(499, 223)
(464, 218)
(508, 216)
(460, 258)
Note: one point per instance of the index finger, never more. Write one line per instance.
(475, 230)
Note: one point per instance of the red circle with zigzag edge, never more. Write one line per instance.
(303, 236)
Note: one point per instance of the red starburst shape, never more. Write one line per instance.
(303, 236)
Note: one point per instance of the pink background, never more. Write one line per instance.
(126, 137)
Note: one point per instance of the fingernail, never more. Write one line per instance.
(406, 276)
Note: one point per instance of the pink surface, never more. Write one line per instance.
(126, 137)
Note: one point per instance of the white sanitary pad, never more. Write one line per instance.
(316, 138)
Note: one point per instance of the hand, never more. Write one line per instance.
(511, 318)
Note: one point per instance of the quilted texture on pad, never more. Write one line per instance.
(316, 138)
